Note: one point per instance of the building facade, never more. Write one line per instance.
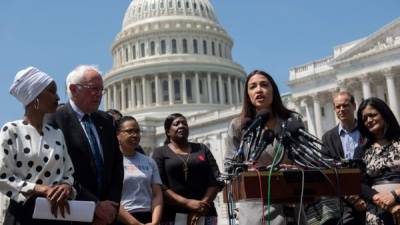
(173, 56)
(366, 67)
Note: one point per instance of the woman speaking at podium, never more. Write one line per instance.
(261, 94)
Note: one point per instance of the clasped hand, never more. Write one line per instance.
(200, 207)
(57, 196)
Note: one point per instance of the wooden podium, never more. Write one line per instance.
(286, 185)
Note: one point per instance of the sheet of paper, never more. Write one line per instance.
(181, 219)
(80, 211)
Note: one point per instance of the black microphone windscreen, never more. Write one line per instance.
(246, 122)
(294, 125)
(268, 135)
(263, 115)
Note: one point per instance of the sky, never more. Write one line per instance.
(271, 35)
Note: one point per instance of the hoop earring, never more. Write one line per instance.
(36, 106)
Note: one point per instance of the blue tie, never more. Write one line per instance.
(87, 123)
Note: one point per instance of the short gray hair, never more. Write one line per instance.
(76, 75)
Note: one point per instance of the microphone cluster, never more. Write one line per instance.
(301, 146)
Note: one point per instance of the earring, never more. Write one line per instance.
(36, 106)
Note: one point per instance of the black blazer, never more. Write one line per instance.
(81, 156)
(331, 144)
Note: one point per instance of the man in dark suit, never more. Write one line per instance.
(339, 143)
(92, 144)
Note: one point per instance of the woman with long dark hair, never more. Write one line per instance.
(381, 157)
(261, 94)
(189, 174)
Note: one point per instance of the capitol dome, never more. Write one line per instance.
(172, 56)
(141, 10)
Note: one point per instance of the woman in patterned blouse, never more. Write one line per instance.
(381, 156)
(33, 158)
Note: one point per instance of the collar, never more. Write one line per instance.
(341, 129)
(77, 111)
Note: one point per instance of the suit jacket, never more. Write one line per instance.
(82, 158)
(332, 145)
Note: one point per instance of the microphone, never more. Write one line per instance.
(297, 127)
(261, 118)
(267, 138)
(239, 156)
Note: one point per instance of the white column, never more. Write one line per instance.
(171, 92)
(317, 116)
(144, 91)
(221, 90)
(139, 94)
(380, 90)
(183, 90)
(209, 85)
(109, 91)
(123, 96)
(229, 86)
(236, 90)
(133, 94)
(242, 89)
(105, 100)
(366, 86)
(310, 124)
(357, 95)
(392, 93)
(157, 87)
(115, 100)
(197, 87)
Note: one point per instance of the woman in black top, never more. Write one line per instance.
(381, 156)
(188, 171)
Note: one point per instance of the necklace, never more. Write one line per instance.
(185, 167)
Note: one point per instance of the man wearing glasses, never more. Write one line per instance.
(91, 142)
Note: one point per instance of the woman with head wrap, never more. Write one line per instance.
(33, 159)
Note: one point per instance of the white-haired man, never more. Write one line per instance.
(91, 140)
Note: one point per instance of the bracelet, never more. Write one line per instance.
(396, 197)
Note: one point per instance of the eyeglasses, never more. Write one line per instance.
(92, 89)
(131, 131)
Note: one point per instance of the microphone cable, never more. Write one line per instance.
(301, 196)
(278, 151)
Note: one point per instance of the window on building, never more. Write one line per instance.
(165, 90)
(163, 47)
(179, 4)
(134, 52)
(184, 46)
(174, 47)
(195, 48)
(226, 93)
(126, 55)
(152, 48)
(177, 90)
(220, 49)
(200, 86)
(187, 4)
(189, 89)
(162, 4)
(194, 5)
(153, 92)
(213, 48)
(204, 47)
(170, 4)
(142, 50)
